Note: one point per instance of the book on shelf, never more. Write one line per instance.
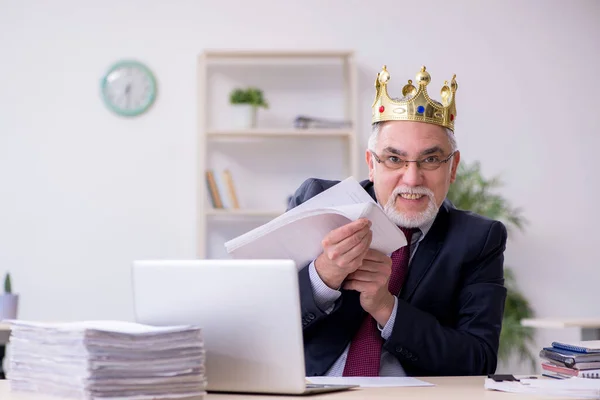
(221, 190)
(307, 122)
(231, 189)
(213, 189)
(297, 234)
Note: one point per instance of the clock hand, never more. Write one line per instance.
(128, 94)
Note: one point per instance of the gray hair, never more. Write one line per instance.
(376, 128)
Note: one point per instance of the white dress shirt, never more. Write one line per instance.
(325, 298)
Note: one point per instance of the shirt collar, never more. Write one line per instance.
(425, 228)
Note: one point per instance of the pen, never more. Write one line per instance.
(553, 376)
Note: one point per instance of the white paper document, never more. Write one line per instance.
(298, 233)
(581, 388)
(383, 381)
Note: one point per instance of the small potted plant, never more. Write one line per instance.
(9, 302)
(245, 104)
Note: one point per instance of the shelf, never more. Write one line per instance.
(277, 54)
(220, 143)
(282, 133)
(280, 58)
(244, 213)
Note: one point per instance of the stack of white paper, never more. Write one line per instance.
(107, 360)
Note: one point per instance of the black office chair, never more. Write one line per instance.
(2, 352)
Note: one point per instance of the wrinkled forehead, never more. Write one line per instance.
(413, 137)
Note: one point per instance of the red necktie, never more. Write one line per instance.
(364, 354)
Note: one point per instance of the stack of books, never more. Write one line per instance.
(565, 360)
(107, 359)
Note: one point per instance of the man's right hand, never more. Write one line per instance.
(343, 251)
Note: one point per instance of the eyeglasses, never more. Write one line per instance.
(428, 163)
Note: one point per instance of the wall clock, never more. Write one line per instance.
(128, 88)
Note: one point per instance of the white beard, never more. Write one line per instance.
(414, 220)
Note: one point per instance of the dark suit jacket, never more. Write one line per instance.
(450, 309)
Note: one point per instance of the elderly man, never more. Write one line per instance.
(433, 307)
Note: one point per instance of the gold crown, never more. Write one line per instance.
(417, 105)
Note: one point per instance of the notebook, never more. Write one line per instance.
(584, 346)
(568, 357)
(563, 371)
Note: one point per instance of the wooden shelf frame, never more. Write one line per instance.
(346, 61)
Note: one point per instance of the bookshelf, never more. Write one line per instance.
(268, 162)
(278, 133)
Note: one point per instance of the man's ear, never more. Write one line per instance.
(455, 162)
(369, 158)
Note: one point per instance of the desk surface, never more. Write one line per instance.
(447, 388)
(593, 323)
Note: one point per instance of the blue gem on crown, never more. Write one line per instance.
(420, 109)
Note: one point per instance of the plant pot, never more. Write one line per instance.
(243, 116)
(9, 306)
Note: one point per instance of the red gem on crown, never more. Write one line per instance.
(381, 109)
(451, 117)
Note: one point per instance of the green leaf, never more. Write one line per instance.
(251, 95)
(7, 284)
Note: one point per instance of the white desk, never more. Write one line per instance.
(590, 327)
(447, 388)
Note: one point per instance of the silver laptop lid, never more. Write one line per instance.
(249, 312)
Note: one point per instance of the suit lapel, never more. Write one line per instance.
(426, 253)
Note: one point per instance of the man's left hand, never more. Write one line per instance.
(371, 280)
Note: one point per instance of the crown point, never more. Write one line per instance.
(423, 77)
(409, 89)
(445, 93)
(454, 84)
(384, 76)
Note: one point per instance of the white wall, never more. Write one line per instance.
(84, 192)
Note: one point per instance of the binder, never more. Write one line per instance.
(568, 372)
(568, 357)
(585, 346)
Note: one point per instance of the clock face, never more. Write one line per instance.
(129, 88)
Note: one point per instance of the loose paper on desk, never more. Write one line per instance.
(580, 388)
(298, 233)
(384, 381)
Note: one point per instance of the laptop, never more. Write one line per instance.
(249, 313)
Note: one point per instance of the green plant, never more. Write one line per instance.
(7, 284)
(472, 191)
(251, 96)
